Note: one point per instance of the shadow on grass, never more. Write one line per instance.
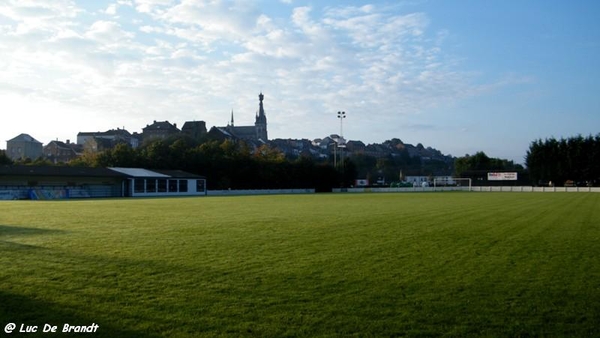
(55, 270)
(20, 309)
(9, 230)
(116, 289)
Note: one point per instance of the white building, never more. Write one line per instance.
(152, 183)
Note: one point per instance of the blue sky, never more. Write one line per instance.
(460, 76)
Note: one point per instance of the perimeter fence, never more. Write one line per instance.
(476, 188)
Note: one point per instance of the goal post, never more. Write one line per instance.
(452, 182)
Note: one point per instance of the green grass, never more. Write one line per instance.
(380, 265)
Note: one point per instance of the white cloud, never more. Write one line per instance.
(302, 19)
(107, 30)
(198, 60)
(37, 19)
(208, 22)
(111, 9)
(65, 34)
(150, 6)
(151, 29)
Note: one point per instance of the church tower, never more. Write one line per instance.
(261, 120)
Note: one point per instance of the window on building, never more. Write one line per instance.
(183, 185)
(200, 185)
(151, 185)
(162, 185)
(172, 185)
(138, 185)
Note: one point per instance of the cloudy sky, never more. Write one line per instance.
(460, 76)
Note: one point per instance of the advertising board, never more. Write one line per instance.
(512, 176)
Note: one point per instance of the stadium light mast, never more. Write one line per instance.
(341, 115)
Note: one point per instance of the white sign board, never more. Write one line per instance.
(502, 176)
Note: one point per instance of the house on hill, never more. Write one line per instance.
(194, 129)
(24, 147)
(294, 148)
(355, 146)
(98, 144)
(107, 139)
(61, 152)
(159, 130)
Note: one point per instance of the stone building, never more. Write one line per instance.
(111, 138)
(194, 129)
(159, 130)
(62, 152)
(257, 132)
(23, 147)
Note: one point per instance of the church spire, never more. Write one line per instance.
(261, 117)
(232, 117)
(261, 120)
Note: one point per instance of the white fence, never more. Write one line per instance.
(480, 189)
(259, 192)
(538, 189)
(75, 193)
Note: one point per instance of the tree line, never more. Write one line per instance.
(227, 164)
(571, 161)
(481, 162)
(232, 164)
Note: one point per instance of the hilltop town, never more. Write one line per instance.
(25, 146)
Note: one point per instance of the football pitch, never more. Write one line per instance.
(326, 265)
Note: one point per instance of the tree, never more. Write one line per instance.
(268, 154)
(87, 159)
(576, 158)
(364, 164)
(42, 161)
(4, 159)
(155, 155)
(228, 164)
(481, 162)
(349, 174)
(122, 155)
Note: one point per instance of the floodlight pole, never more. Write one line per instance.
(341, 115)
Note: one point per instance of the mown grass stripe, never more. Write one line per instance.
(448, 264)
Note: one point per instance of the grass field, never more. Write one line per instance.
(380, 265)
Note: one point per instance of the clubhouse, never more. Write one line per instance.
(61, 182)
